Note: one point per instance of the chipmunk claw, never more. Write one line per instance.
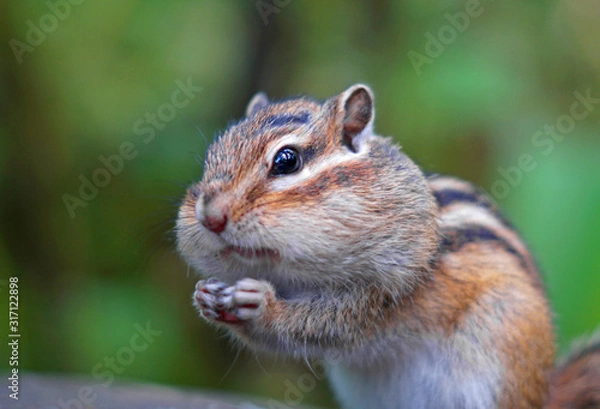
(244, 301)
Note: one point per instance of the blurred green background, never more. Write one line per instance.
(466, 99)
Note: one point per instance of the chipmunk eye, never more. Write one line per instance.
(286, 161)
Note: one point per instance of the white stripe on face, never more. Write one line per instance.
(315, 168)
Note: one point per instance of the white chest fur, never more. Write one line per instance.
(430, 374)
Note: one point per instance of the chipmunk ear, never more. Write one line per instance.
(258, 102)
(358, 109)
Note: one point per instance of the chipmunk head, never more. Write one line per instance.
(303, 192)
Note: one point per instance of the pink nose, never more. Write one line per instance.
(215, 223)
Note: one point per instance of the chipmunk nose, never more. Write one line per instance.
(212, 213)
(215, 223)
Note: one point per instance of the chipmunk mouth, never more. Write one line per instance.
(250, 253)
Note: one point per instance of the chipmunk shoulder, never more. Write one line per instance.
(320, 239)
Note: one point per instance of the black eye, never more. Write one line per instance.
(286, 161)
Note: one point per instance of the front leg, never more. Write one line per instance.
(311, 324)
(241, 303)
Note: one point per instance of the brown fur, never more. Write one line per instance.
(576, 382)
(373, 259)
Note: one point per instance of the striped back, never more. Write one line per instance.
(467, 216)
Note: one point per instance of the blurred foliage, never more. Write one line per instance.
(86, 281)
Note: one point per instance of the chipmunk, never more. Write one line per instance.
(322, 239)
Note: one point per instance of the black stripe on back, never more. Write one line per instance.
(454, 239)
(446, 197)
